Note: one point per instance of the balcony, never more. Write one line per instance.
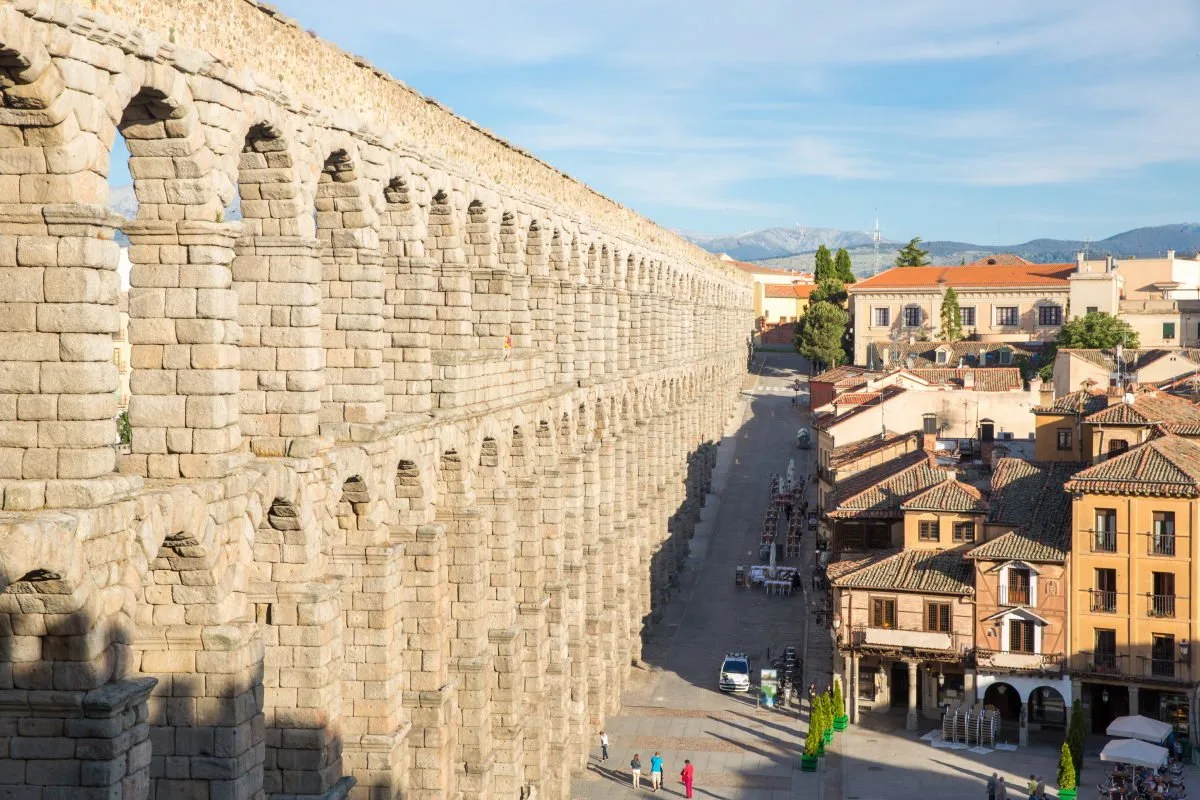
(1019, 662)
(1161, 605)
(1160, 667)
(898, 638)
(1112, 664)
(1103, 602)
(1100, 662)
(1162, 544)
(1103, 541)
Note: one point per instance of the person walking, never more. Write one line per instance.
(656, 770)
(1040, 791)
(603, 746)
(1001, 789)
(991, 786)
(635, 768)
(688, 777)
(1032, 786)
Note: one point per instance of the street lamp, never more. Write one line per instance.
(1184, 647)
(1104, 696)
(941, 680)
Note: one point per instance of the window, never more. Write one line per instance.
(1049, 315)
(912, 317)
(1162, 602)
(937, 617)
(1005, 356)
(942, 356)
(1020, 636)
(1162, 655)
(1116, 447)
(1018, 586)
(1092, 309)
(1104, 537)
(1064, 438)
(882, 317)
(966, 316)
(1007, 315)
(1168, 330)
(928, 531)
(1105, 648)
(1162, 535)
(883, 613)
(1104, 595)
(964, 531)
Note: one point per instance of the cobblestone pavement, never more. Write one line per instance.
(740, 752)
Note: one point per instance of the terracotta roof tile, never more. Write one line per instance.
(1017, 275)
(879, 491)
(1168, 466)
(845, 373)
(925, 571)
(971, 354)
(827, 421)
(1084, 401)
(855, 398)
(1134, 358)
(1000, 260)
(789, 291)
(949, 495)
(746, 266)
(987, 379)
(849, 453)
(1172, 413)
(1029, 496)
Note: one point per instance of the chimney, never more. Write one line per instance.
(1079, 265)
(968, 379)
(951, 476)
(987, 453)
(1170, 255)
(929, 433)
(1108, 263)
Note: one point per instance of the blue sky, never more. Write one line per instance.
(991, 122)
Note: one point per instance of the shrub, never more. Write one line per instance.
(1075, 736)
(1066, 768)
(839, 702)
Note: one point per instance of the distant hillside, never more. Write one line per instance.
(772, 242)
(793, 247)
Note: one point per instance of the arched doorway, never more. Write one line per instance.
(1047, 708)
(1005, 699)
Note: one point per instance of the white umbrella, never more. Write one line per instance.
(1134, 751)
(791, 469)
(1139, 727)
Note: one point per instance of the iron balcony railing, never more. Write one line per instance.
(1103, 541)
(1162, 544)
(1032, 662)
(1100, 662)
(1103, 602)
(1162, 605)
(1111, 663)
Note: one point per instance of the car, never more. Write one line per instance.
(735, 673)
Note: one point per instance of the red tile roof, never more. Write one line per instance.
(827, 421)
(849, 453)
(1171, 413)
(1168, 466)
(986, 379)
(848, 373)
(855, 398)
(949, 495)
(924, 571)
(878, 492)
(1029, 497)
(1018, 275)
(1000, 260)
(779, 291)
(745, 266)
(1084, 401)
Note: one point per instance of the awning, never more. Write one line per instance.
(1139, 727)
(1134, 751)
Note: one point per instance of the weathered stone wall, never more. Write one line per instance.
(418, 444)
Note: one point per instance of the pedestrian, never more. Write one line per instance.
(656, 766)
(991, 786)
(816, 575)
(1041, 788)
(1032, 786)
(687, 777)
(603, 746)
(635, 769)
(1001, 789)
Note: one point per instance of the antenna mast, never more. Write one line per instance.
(875, 240)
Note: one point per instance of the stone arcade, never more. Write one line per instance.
(417, 445)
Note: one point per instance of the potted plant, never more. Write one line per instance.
(1066, 774)
(840, 719)
(810, 759)
(826, 705)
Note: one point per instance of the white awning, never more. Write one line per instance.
(1138, 727)
(1133, 751)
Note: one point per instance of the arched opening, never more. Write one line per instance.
(410, 494)
(1047, 709)
(1005, 699)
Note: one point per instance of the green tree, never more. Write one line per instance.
(830, 290)
(951, 316)
(824, 265)
(1066, 768)
(124, 429)
(1096, 330)
(820, 332)
(839, 702)
(842, 266)
(911, 255)
(1075, 736)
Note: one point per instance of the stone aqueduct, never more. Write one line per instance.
(417, 445)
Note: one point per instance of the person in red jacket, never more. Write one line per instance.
(688, 776)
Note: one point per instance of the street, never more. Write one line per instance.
(740, 752)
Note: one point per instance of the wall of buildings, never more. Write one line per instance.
(417, 445)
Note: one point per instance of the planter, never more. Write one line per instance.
(841, 723)
(827, 738)
(1067, 794)
(809, 763)
(821, 747)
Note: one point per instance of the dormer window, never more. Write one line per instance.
(1006, 355)
(942, 356)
